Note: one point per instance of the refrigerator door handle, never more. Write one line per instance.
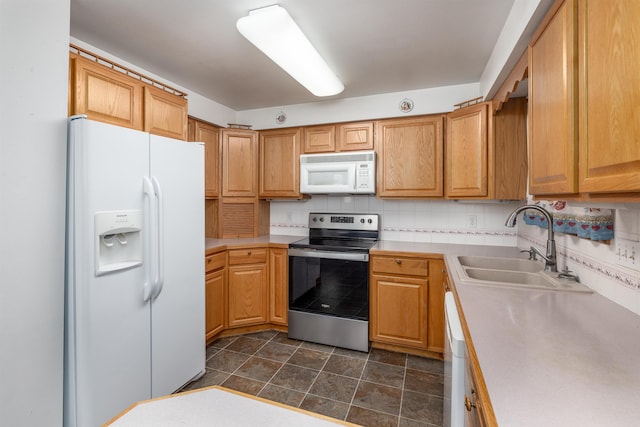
(159, 282)
(148, 282)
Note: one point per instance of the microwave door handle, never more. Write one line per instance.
(314, 253)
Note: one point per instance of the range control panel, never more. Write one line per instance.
(344, 221)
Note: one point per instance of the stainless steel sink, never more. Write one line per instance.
(511, 264)
(512, 272)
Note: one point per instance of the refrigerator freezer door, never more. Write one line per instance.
(178, 346)
(108, 326)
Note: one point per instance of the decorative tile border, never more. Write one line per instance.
(457, 231)
(607, 270)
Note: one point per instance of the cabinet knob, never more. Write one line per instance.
(468, 403)
(249, 253)
(398, 261)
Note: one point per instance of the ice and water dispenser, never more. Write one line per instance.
(118, 237)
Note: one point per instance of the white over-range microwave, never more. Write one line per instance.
(338, 173)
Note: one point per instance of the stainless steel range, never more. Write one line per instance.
(329, 280)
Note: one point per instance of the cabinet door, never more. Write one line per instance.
(215, 302)
(106, 95)
(240, 163)
(210, 135)
(609, 96)
(319, 139)
(435, 325)
(355, 136)
(553, 155)
(165, 114)
(398, 310)
(278, 285)
(280, 163)
(467, 151)
(247, 295)
(410, 157)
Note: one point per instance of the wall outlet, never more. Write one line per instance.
(626, 252)
(472, 221)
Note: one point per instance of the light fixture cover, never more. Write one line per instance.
(274, 32)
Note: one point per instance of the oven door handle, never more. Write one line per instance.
(314, 253)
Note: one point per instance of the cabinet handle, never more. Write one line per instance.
(398, 261)
(468, 403)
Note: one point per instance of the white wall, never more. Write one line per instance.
(593, 262)
(426, 101)
(34, 37)
(433, 221)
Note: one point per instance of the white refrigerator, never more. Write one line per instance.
(134, 309)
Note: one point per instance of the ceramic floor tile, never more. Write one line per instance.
(309, 358)
(389, 357)
(223, 342)
(382, 373)
(227, 361)
(424, 382)
(425, 408)
(368, 417)
(328, 407)
(343, 365)
(351, 353)
(262, 335)
(282, 338)
(404, 422)
(275, 351)
(317, 347)
(210, 378)
(244, 385)
(211, 350)
(259, 369)
(246, 345)
(295, 377)
(334, 387)
(425, 364)
(282, 395)
(378, 397)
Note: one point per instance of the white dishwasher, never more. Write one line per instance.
(454, 365)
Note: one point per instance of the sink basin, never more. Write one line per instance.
(513, 273)
(512, 264)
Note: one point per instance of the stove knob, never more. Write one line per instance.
(321, 219)
(369, 220)
(314, 219)
(362, 220)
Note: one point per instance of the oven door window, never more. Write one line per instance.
(329, 286)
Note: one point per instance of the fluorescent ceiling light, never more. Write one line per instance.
(272, 30)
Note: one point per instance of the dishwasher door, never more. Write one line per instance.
(454, 365)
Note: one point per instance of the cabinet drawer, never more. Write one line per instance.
(215, 261)
(247, 256)
(400, 265)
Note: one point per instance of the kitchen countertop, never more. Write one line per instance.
(551, 358)
(273, 240)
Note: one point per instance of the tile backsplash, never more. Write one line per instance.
(481, 223)
(434, 221)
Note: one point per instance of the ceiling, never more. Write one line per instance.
(374, 46)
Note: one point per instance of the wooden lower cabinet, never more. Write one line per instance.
(398, 310)
(278, 285)
(474, 404)
(247, 287)
(407, 301)
(215, 294)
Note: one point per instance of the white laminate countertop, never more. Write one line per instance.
(261, 240)
(552, 358)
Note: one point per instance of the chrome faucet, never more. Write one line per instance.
(550, 260)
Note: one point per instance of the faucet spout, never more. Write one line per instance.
(550, 257)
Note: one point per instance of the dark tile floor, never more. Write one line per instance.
(379, 388)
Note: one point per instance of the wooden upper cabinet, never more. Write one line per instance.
(609, 96)
(355, 136)
(409, 157)
(280, 163)
(164, 113)
(319, 139)
(338, 137)
(553, 136)
(210, 135)
(467, 151)
(486, 153)
(105, 95)
(240, 163)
